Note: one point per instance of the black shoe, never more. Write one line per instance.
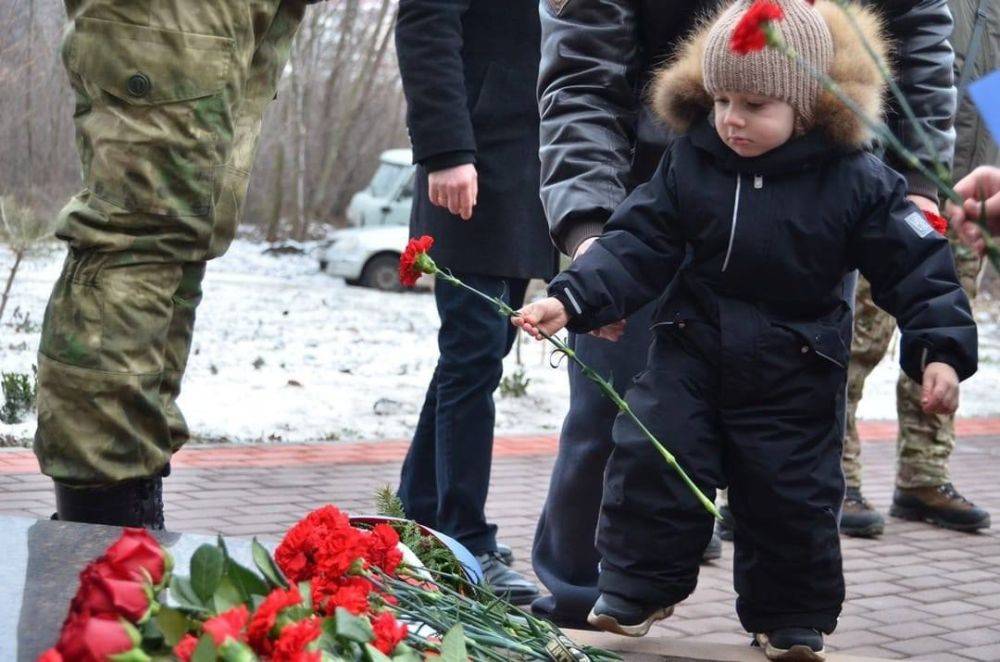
(543, 608)
(858, 518)
(136, 503)
(939, 505)
(714, 548)
(632, 619)
(792, 644)
(725, 527)
(508, 584)
(506, 554)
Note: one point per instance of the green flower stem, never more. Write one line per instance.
(897, 93)
(604, 385)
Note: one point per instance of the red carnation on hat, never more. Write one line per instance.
(749, 34)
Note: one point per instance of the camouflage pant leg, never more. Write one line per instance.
(925, 441)
(169, 97)
(873, 329)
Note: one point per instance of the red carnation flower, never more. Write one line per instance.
(51, 655)
(263, 620)
(323, 543)
(388, 632)
(937, 222)
(414, 261)
(382, 550)
(749, 35)
(294, 638)
(227, 625)
(185, 648)
(351, 593)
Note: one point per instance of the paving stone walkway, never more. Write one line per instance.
(918, 592)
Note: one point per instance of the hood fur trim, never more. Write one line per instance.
(678, 96)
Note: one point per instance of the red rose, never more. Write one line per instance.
(413, 261)
(294, 638)
(185, 647)
(137, 554)
(351, 593)
(382, 550)
(388, 632)
(749, 35)
(103, 593)
(937, 222)
(263, 620)
(97, 639)
(51, 655)
(227, 625)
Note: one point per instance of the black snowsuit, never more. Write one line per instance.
(746, 372)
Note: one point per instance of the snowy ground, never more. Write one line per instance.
(283, 352)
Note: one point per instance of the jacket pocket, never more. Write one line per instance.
(153, 117)
(820, 339)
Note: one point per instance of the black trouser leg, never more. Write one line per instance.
(652, 529)
(453, 465)
(564, 555)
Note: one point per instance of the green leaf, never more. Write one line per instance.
(205, 652)
(182, 592)
(206, 571)
(262, 559)
(173, 624)
(246, 580)
(373, 654)
(404, 653)
(354, 628)
(453, 646)
(226, 595)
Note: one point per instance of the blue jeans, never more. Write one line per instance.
(446, 474)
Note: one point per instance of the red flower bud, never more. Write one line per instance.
(185, 647)
(103, 593)
(100, 639)
(937, 222)
(749, 34)
(137, 554)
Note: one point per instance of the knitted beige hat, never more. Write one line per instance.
(769, 72)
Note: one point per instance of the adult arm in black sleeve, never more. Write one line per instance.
(912, 273)
(631, 263)
(429, 47)
(588, 101)
(924, 66)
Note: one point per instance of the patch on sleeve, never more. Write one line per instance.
(919, 224)
(557, 6)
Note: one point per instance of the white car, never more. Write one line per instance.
(368, 253)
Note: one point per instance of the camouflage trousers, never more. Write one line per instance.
(925, 441)
(169, 97)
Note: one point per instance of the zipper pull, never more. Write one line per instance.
(758, 181)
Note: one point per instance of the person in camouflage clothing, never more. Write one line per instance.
(169, 96)
(925, 441)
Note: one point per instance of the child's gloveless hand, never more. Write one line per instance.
(940, 389)
(547, 316)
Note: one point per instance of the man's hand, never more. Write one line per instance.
(982, 184)
(455, 188)
(940, 389)
(547, 316)
(610, 332)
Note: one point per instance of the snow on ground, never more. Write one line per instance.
(283, 352)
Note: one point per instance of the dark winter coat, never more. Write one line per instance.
(469, 69)
(772, 237)
(599, 140)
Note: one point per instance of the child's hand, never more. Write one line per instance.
(546, 316)
(611, 331)
(940, 389)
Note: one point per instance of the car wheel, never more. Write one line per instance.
(382, 273)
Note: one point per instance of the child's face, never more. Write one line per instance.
(751, 124)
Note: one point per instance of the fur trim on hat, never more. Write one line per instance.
(679, 98)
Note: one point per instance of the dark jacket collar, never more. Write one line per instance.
(800, 152)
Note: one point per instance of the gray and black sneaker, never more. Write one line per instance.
(612, 613)
(508, 584)
(792, 644)
(858, 518)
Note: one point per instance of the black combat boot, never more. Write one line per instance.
(136, 503)
(858, 518)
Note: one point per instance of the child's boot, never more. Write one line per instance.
(792, 644)
(612, 613)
